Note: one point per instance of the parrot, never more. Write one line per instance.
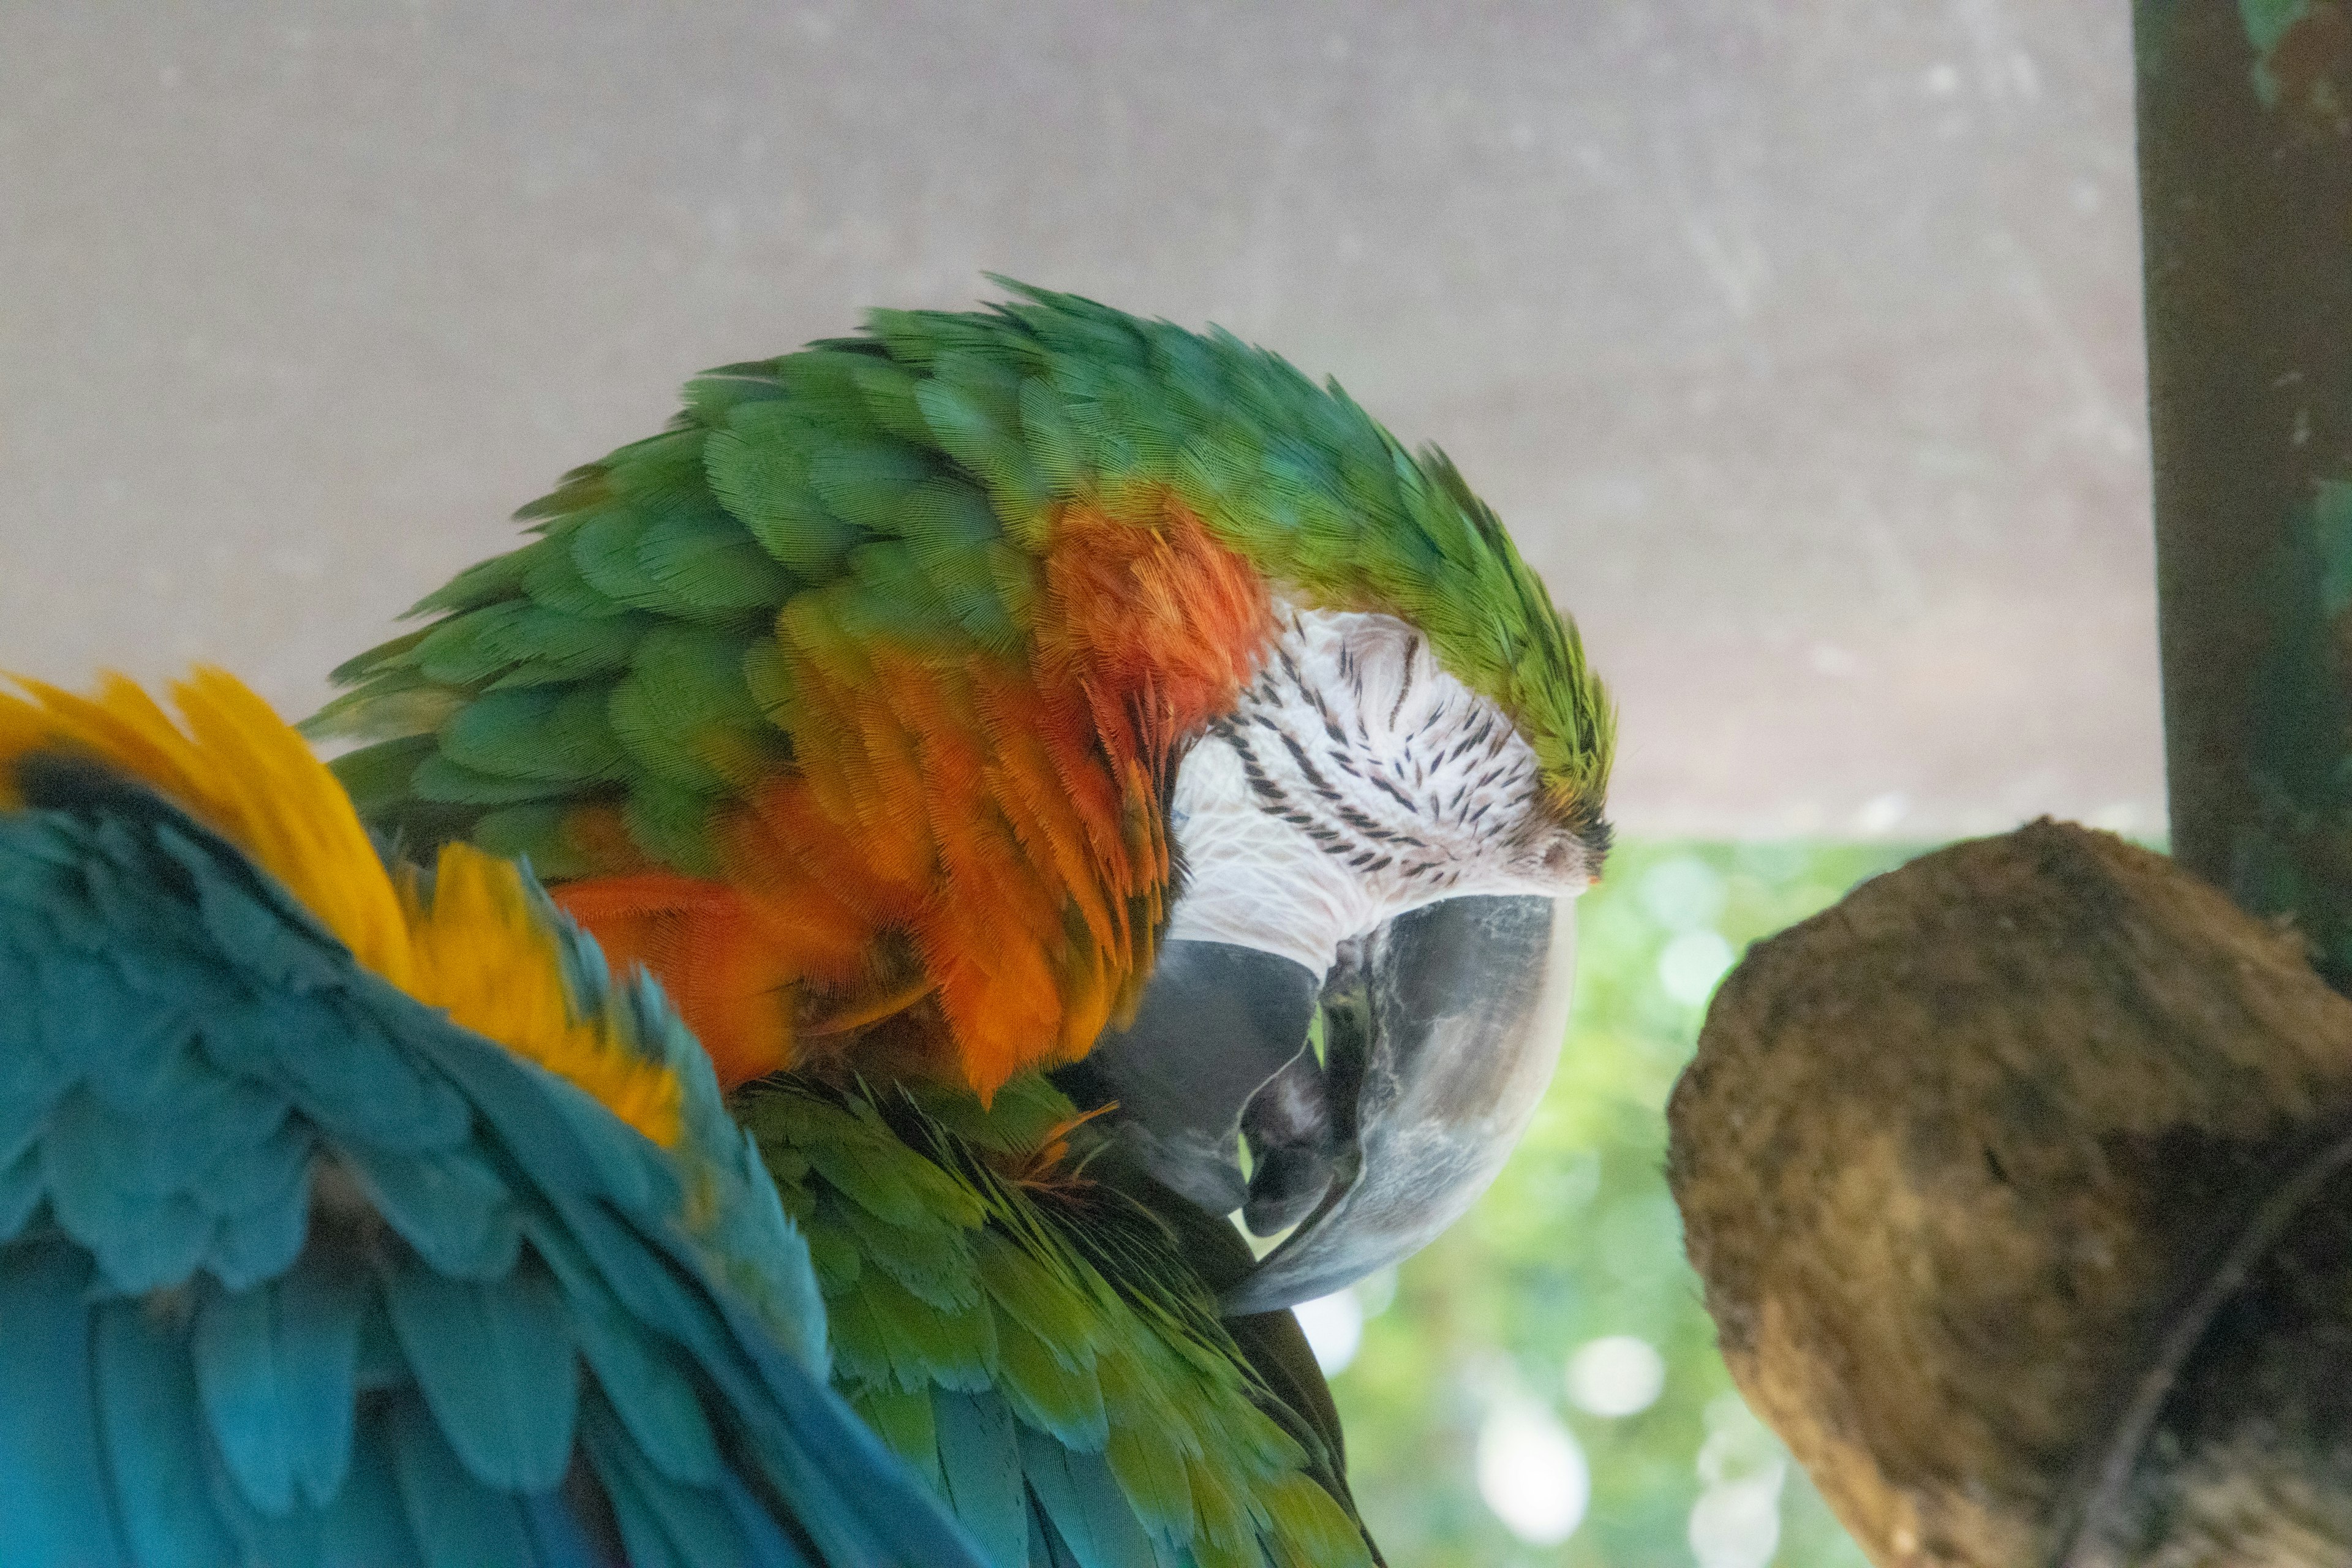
(358, 1214)
(1079, 779)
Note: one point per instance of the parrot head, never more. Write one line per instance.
(1046, 688)
(1364, 981)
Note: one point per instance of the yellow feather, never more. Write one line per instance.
(478, 948)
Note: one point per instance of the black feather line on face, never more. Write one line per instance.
(1384, 785)
(1315, 780)
(1404, 688)
(1274, 798)
(1454, 768)
(1330, 724)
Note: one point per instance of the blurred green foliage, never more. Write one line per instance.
(1579, 1241)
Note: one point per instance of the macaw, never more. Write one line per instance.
(355, 1215)
(1077, 776)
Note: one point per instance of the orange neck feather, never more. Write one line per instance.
(968, 864)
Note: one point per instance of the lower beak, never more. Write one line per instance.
(1370, 1133)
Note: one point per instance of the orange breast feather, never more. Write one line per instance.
(966, 868)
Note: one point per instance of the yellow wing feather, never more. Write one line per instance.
(479, 948)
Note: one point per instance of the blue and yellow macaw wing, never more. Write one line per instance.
(352, 1216)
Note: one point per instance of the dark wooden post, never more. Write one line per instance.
(2246, 209)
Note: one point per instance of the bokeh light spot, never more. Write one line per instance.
(1736, 1523)
(1681, 894)
(1334, 1326)
(1692, 964)
(1532, 1473)
(1618, 1375)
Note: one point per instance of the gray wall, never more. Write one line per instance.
(1797, 343)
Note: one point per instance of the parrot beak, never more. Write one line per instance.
(1367, 1108)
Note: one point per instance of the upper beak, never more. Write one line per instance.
(1371, 1134)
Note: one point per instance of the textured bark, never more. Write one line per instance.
(2251, 1461)
(1953, 1157)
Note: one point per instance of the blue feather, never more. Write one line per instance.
(366, 1523)
(272, 1172)
(557, 1537)
(51, 1464)
(264, 930)
(449, 1206)
(154, 1431)
(1046, 1547)
(656, 1401)
(496, 1362)
(1079, 1495)
(275, 1369)
(152, 1066)
(141, 1244)
(369, 1089)
(769, 1546)
(262, 1240)
(21, 1187)
(265, 1240)
(211, 1117)
(567, 1143)
(982, 1461)
(804, 1433)
(52, 1030)
(125, 1192)
(660, 1525)
(32, 1076)
(458, 1521)
(377, 1371)
(378, 1363)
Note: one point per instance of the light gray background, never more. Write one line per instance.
(1799, 343)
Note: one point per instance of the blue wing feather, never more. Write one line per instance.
(260, 1198)
(458, 1521)
(154, 1429)
(659, 1524)
(364, 1522)
(981, 1459)
(294, 1269)
(21, 1190)
(274, 1374)
(54, 1468)
(1046, 1547)
(770, 1546)
(1076, 1491)
(496, 1363)
(654, 1399)
(445, 1202)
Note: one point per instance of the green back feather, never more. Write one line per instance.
(1048, 1359)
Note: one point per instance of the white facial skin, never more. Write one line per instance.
(1357, 780)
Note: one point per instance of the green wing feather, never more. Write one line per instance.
(1047, 1353)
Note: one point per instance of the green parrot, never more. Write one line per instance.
(354, 1215)
(1079, 780)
